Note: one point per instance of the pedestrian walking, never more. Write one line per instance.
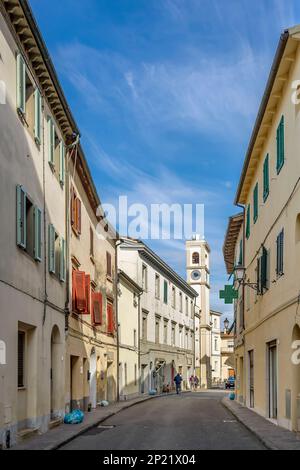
(178, 380)
(192, 382)
(196, 382)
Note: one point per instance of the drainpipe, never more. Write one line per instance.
(44, 215)
(118, 243)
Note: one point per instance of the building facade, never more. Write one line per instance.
(215, 335)
(267, 246)
(197, 269)
(166, 317)
(129, 307)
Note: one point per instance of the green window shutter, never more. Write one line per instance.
(255, 203)
(241, 253)
(51, 245)
(280, 248)
(37, 115)
(264, 268)
(37, 234)
(248, 222)
(62, 273)
(266, 178)
(280, 145)
(21, 84)
(165, 292)
(62, 159)
(51, 141)
(21, 217)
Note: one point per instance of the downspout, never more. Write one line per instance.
(139, 339)
(118, 243)
(44, 215)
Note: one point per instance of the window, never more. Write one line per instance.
(181, 337)
(37, 116)
(262, 271)
(195, 258)
(216, 344)
(29, 225)
(144, 278)
(21, 359)
(134, 338)
(266, 178)
(165, 332)
(110, 319)
(280, 145)
(173, 334)
(248, 222)
(21, 84)
(97, 308)
(186, 306)
(279, 258)
(56, 152)
(192, 309)
(157, 326)
(180, 302)
(215, 323)
(157, 286)
(91, 242)
(186, 339)
(75, 213)
(56, 254)
(81, 295)
(255, 203)
(144, 326)
(241, 261)
(108, 265)
(165, 292)
(173, 297)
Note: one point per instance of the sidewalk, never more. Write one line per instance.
(64, 433)
(271, 435)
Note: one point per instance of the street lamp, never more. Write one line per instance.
(240, 278)
(226, 325)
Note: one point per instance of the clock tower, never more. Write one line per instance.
(197, 268)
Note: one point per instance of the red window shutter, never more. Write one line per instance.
(80, 294)
(87, 294)
(73, 291)
(108, 264)
(97, 308)
(110, 319)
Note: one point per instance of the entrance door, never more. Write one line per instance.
(251, 378)
(55, 372)
(272, 360)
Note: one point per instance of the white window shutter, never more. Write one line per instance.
(21, 217)
(51, 244)
(37, 115)
(37, 234)
(21, 84)
(62, 159)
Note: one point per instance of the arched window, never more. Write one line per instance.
(195, 258)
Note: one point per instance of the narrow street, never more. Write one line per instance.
(190, 421)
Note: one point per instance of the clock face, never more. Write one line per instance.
(196, 275)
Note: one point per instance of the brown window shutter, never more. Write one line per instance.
(110, 319)
(88, 294)
(73, 208)
(97, 308)
(80, 294)
(78, 215)
(73, 290)
(108, 264)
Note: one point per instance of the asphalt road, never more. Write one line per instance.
(190, 421)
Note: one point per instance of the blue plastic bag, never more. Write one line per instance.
(76, 417)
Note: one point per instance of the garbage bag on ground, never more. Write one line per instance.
(152, 392)
(104, 403)
(75, 417)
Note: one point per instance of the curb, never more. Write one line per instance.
(264, 441)
(104, 418)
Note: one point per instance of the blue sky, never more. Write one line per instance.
(165, 93)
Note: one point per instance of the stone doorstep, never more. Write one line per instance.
(262, 428)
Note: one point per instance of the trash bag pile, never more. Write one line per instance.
(104, 403)
(152, 392)
(75, 417)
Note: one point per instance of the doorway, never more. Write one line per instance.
(55, 371)
(251, 378)
(93, 378)
(272, 379)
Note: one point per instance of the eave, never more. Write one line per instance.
(234, 226)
